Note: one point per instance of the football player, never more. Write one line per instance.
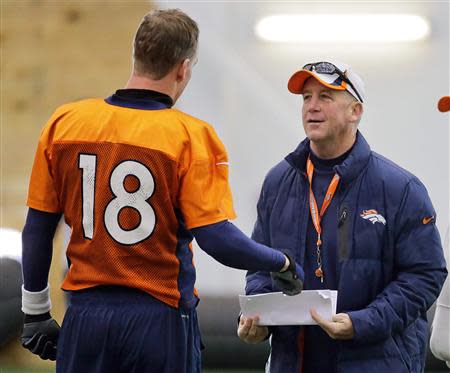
(136, 180)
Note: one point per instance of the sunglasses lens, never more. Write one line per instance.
(325, 68)
(321, 67)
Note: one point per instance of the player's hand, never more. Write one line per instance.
(341, 326)
(290, 282)
(41, 337)
(249, 330)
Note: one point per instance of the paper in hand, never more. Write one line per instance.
(280, 309)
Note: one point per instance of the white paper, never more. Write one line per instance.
(280, 309)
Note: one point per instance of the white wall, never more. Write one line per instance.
(239, 86)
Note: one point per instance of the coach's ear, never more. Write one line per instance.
(355, 111)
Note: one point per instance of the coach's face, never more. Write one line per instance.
(329, 116)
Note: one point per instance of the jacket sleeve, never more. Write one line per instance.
(420, 271)
(258, 282)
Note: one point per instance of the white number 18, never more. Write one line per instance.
(136, 200)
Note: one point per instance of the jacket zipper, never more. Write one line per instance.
(342, 218)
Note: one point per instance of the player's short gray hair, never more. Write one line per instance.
(163, 39)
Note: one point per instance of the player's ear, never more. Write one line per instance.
(183, 69)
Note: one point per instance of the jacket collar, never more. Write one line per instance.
(349, 169)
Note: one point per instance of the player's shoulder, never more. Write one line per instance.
(66, 112)
(193, 123)
(201, 134)
(76, 106)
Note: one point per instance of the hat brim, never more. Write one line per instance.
(444, 104)
(297, 81)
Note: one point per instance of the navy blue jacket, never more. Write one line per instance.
(390, 263)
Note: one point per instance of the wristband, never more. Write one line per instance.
(36, 302)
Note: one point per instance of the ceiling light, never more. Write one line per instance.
(315, 28)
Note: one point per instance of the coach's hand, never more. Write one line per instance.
(341, 326)
(249, 330)
(41, 336)
(290, 281)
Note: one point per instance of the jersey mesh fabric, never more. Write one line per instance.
(181, 155)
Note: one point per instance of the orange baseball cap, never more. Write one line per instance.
(444, 104)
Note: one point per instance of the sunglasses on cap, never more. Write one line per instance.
(330, 69)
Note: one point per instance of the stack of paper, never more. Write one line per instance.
(280, 309)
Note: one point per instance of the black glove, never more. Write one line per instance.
(40, 335)
(290, 282)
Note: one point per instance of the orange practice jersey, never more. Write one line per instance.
(129, 183)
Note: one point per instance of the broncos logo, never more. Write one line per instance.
(373, 216)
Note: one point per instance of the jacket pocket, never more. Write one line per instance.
(343, 237)
(385, 356)
(414, 345)
(343, 234)
(403, 353)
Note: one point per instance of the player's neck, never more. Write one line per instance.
(143, 82)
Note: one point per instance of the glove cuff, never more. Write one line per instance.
(292, 264)
(37, 318)
(36, 302)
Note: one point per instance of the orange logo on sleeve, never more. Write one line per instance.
(427, 219)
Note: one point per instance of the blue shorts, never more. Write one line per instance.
(120, 330)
